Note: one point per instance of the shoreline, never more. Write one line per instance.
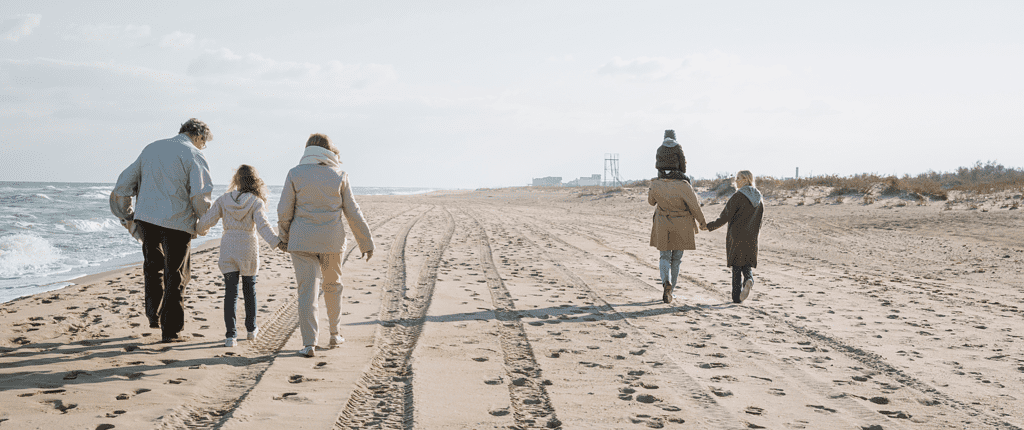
(88, 278)
(101, 276)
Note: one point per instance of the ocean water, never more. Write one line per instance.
(53, 232)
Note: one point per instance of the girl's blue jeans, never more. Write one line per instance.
(669, 265)
(231, 299)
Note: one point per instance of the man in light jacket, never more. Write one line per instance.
(171, 184)
(315, 196)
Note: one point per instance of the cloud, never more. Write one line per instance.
(107, 32)
(224, 63)
(22, 25)
(178, 40)
(641, 67)
(713, 66)
(45, 73)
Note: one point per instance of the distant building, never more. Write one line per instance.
(549, 181)
(586, 181)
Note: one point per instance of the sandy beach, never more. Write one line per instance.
(541, 308)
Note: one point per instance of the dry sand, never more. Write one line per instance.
(519, 308)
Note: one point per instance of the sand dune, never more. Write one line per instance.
(518, 308)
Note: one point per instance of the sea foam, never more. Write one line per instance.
(21, 254)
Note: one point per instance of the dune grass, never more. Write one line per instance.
(981, 178)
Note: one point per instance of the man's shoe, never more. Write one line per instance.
(252, 334)
(308, 351)
(154, 324)
(666, 295)
(336, 341)
(230, 342)
(747, 286)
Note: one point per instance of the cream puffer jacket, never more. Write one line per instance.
(244, 214)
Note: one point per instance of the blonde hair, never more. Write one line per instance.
(247, 180)
(743, 178)
(321, 140)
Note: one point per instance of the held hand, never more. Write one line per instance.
(367, 254)
(282, 246)
(704, 227)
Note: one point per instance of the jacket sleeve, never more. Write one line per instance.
(693, 205)
(355, 217)
(210, 218)
(727, 213)
(126, 188)
(259, 216)
(200, 185)
(286, 209)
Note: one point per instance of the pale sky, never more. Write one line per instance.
(484, 94)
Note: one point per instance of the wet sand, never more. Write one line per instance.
(519, 308)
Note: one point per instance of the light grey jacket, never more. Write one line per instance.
(309, 213)
(171, 182)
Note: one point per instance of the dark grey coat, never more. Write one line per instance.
(744, 226)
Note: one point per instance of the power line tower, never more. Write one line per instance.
(611, 170)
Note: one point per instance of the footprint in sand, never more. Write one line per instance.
(60, 406)
(821, 408)
(106, 426)
(754, 410)
(115, 414)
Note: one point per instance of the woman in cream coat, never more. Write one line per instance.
(315, 196)
(676, 221)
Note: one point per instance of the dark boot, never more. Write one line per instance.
(666, 296)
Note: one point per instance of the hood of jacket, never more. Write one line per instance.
(752, 193)
(239, 205)
(669, 142)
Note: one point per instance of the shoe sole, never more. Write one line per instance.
(745, 291)
(666, 296)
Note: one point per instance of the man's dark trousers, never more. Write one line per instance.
(166, 268)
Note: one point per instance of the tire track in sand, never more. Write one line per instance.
(211, 409)
(531, 405)
(867, 358)
(713, 412)
(383, 397)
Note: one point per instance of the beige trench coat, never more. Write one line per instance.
(677, 217)
(309, 215)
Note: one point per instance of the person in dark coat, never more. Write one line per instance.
(743, 213)
(670, 155)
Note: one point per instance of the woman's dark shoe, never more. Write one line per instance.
(666, 296)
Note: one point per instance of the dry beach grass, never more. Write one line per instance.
(540, 308)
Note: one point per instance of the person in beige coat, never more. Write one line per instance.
(315, 196)
(677, 218)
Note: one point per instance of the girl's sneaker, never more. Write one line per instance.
(230, 342)
(252, 334)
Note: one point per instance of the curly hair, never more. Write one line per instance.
(247, 180)
(196, 128)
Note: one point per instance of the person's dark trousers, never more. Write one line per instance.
(739, 274)
(231, 299)
(166, 269)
